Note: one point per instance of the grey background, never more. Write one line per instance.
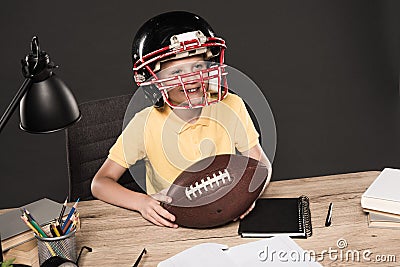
(329, 70)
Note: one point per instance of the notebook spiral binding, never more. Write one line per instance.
(304, 206)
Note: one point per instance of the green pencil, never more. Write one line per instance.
(35, 224)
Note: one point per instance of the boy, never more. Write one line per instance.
(179, 64)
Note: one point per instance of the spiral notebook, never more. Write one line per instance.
(278, 216)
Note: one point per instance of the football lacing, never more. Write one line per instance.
(211, 183)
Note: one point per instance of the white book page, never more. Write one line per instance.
(274, 251)
(207, 254)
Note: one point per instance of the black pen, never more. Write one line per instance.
(328, 220)
(144, 251)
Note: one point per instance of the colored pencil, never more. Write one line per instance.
(62, 211)
(34, 223)
(55, 230)
(58, 226)
(72, 226)
(37, 226)
(68, 225)
(29, 215)
(52, 231)
(26, 221)
(29, 225)
(70, 214)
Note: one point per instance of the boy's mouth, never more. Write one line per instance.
(192, 90)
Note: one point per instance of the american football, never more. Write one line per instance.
(216, 190)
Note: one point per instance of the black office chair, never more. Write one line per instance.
(88, 143)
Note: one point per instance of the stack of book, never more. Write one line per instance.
(382, 200)
(13, 230)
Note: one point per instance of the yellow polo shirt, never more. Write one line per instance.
(169, 145)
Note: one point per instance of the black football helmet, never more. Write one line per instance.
(177, 35)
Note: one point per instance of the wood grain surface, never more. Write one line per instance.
(117, 235)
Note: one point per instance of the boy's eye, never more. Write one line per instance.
(199, 66)
(175, 72)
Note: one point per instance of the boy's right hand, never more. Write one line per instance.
(151, 210)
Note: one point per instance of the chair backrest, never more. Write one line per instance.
(88, 143)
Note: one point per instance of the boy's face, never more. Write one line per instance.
(193, 86)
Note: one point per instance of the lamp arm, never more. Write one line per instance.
(15, 102)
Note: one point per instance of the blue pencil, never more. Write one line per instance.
(70, 214)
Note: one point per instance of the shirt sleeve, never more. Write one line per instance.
(129, 146)
(246, 135)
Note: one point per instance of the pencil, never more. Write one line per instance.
(58, 226)
(62, 211)
(72, 226)
(70, 214)
(34, 223)
(29, 215)
(29, 225)
(52, 231)
(68, 225)
(25, 219)
(40, 230)
(55, 230)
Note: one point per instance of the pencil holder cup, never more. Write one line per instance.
(63, 246)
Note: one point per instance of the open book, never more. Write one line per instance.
(274, 251)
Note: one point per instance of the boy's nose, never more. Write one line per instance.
(190, 77)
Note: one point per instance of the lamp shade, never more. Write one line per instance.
(48, 106)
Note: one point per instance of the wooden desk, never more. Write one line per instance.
(117, 236)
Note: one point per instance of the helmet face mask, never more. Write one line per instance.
(177, 37)
(190, 82)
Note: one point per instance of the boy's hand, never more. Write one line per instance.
(151, 210)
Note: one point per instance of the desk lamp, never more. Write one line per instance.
(46, 103)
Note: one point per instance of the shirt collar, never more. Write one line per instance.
(179, 125)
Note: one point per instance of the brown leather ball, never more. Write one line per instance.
(216, 190)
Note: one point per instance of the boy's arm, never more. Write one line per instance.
(256, 152)
(105, 187)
